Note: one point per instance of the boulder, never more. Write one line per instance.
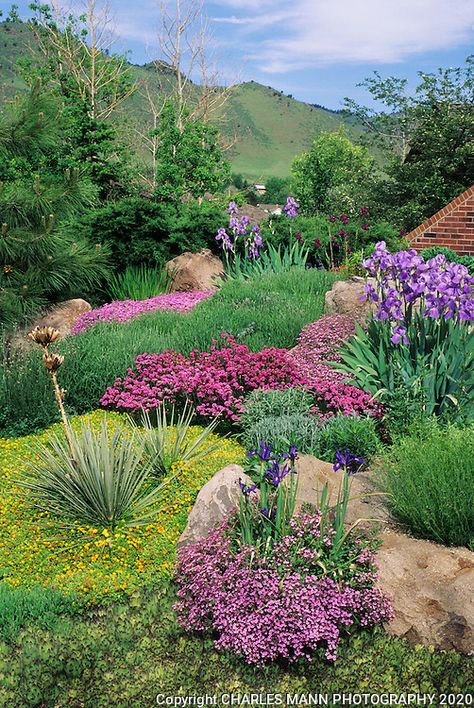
(431, 589)
(194, 271)
(344, 298)
(60, 316)
(430, 585)
(366, 503)
(215, 500)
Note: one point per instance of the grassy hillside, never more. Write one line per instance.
(265, 128)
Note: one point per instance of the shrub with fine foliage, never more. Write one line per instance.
(263, 403)
(357, 434)
(430, 479)
(283, 430)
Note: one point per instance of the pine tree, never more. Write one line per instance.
(39, 264)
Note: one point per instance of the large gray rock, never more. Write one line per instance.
(366, 503)
(214, 502)
(431, 588)
(61, 317)
(344, 298)
(194, 271)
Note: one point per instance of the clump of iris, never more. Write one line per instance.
(267, 506)
(405, 284)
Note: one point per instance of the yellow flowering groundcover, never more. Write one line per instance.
(35, 549)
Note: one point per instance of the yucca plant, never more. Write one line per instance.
(169, 440)
(107, 484)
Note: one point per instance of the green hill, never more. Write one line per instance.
(264, 128)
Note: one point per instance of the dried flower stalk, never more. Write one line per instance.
(44, 336)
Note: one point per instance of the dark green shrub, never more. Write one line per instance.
(140, 231)
(263, 403)
(430, 479)
(451, 256)
(434, 251)
(316, 232)
(353, 433)
(467, 261)
(284, 430)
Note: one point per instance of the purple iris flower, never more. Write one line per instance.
(332, 218)
(344, 219)
(399, 335)
(291, 208)
(264, 452)
(347, 461)
(232, 208)
(247, 489)
(276, 473)
(292, 454)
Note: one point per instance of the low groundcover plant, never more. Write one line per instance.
(123, 310)
(279, 606)
(275, 585)
(216, 381)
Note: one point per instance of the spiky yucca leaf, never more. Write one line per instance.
(168, 441)
(109, 486)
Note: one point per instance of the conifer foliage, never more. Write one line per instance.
(39, 263)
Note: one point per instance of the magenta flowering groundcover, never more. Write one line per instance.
(216, 381)
(123, 310)
(280, 606)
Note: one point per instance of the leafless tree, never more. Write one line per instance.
(78, 47)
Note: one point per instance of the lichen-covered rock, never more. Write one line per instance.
(214, 502)
(346, 298)
(194, 271)
(431, 588)
(60, 316)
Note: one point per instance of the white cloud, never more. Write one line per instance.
(309, 33)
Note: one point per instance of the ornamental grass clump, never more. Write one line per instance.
(420, 337)
(215, 382)
(429, 480)
(166, 439)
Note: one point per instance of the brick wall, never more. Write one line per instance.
(452, 227)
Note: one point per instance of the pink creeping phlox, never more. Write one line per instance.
(317, 344)
(280, 606)
(215, 381)
(123, 310)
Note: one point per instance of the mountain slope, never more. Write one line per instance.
(265, 128)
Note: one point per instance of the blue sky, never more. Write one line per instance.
(316, 50)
